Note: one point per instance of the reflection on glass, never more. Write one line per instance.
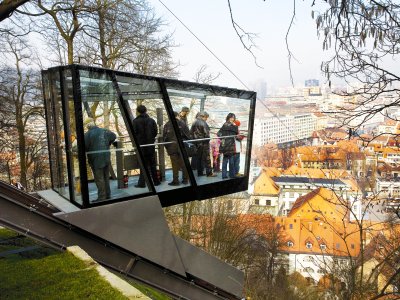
(57, 138)
(155, 134)
(207, 114)
(97, 146)
(50, 128)
(112, 159)
(171, 145)
(73, 144)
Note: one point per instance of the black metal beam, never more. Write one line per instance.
(31, 221)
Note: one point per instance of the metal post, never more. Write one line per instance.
(161, 151)
(120, 164)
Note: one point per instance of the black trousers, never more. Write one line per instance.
(150, 164)
(177, 165)
(203, 159)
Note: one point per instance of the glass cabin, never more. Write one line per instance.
(76, 96)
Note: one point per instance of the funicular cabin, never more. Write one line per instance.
(77, 95)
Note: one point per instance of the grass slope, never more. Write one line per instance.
(49, 274)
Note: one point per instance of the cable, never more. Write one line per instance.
(229, 70)
(237, 77)
(209, 50)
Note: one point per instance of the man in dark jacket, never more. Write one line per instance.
(145, 130)
(98, 141)
(200, 130)
(173, 149)
(228, 133)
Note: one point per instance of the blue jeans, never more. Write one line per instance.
(228, 159)
(236, 161)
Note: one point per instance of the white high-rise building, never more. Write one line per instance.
(282, 129)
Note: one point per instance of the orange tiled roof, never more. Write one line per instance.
(317, 173)
(339, 239)
(391, 150)
(322, 201)
(264, 185)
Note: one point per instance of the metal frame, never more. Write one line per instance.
(68, 145)
(31, 217)
(128, 117)
(171, 116)
(169, 197)
(46, 113)
(76, 90)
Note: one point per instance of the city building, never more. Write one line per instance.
(283, 128)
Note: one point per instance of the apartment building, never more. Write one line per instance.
(283, 128)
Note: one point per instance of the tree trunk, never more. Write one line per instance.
(22, 153)
(70, 51)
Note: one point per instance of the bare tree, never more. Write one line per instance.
(202, 76)
(126, 35)
(364, 39)
(19, 92)
(7, 7)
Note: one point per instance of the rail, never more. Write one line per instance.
(34, 218)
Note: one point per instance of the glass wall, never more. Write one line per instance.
(71, 140)
(160, 147)
(56, 133)
(116, 136)
(222, 151)
(112, 159)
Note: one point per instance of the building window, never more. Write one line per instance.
(308, 270)
(337, 246)
(352, 246)
(230, 205)
(290, 226)
(308, 245)
(268, 202)
(257, 201)
(322, 246)
(309, 259)
(290, 244)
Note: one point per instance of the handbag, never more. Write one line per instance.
(191, 149)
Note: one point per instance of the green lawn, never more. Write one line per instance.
(49, 274)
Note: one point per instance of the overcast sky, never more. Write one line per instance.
(210, 21)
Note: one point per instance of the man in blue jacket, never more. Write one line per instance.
(98, 141)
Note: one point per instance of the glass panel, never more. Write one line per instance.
(219, 156)
(56, 137)
(112, 160)
(72, 136)
(50, 128)
(155, 133)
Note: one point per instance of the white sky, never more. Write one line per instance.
(210, 21)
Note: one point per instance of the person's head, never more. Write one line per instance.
(141, 109)
(184, 111)
(176, 114)
(90, 123)
(204, 115)
(230, 117)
